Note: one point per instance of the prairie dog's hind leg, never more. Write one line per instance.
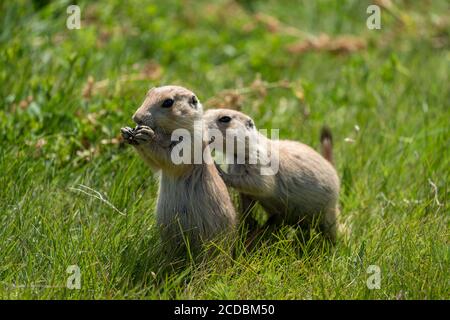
(331, 226)
(246, 204)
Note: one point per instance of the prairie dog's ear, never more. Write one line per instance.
(249, 124)
(193, 101)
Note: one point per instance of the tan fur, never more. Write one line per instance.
(306, 186)
(191, 197)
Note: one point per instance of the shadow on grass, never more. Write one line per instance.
(304, 239)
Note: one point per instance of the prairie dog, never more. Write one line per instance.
(191, 197)
(305, 187)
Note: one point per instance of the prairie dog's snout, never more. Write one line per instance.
(143, 119)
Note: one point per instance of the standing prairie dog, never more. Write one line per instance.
(192, 198)
(305, 187)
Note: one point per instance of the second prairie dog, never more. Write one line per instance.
(305, 187)
(191, 197)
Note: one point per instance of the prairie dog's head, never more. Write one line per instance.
(227, 119)
(169, 108)
(232, 125)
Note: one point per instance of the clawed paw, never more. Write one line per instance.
(128, 135)
(219, 169)
(223, 174)
(143, 134)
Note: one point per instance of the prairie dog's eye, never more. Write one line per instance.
(194, 100)
(225, 119)
(167, 103)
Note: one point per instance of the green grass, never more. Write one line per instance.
(395, 170)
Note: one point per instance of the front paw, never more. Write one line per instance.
(143, 134)
(224, 175)
(219, 169)
(128, 135)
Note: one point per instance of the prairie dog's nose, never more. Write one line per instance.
(138, 118)
(143, 118)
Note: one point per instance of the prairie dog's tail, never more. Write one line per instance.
(326, 139)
